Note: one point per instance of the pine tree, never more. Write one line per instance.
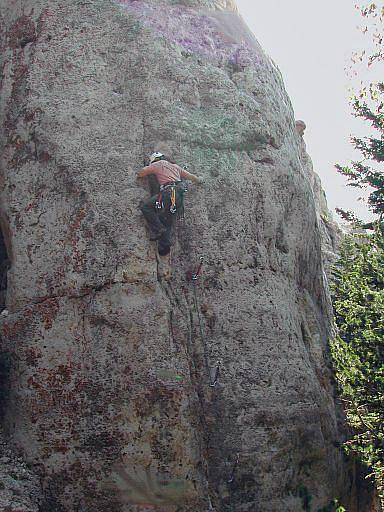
(358, 284)
(358, 349)
(368, 105)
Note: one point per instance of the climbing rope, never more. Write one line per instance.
(194, 277)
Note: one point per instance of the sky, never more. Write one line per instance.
(312, 43)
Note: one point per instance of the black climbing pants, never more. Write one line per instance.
(160, 218)
(157, 218)
(150, 213)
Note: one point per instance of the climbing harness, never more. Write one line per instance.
(193, 276)
(232, 475)
(172, 194)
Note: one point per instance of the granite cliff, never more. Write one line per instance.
(330, 231)
(109, 353)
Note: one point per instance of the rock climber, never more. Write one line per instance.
(300, 127)
(169, 176)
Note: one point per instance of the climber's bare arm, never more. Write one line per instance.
(145, 171)
(192, 177)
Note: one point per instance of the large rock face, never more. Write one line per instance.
(330, 231)
(111, 347)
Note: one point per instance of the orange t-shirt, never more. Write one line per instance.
(165, 172)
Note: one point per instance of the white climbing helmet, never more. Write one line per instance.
(155, 156)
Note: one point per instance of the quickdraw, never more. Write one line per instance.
(160, 201)
(232, 475)
(216, 377)
(192, 276)
(172, 208)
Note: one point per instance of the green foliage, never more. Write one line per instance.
(375, 14)
(358, 286)
(306, 502)
(358, 349)
(361, 173)
(368, 105)
(306, 498)
(332, 507)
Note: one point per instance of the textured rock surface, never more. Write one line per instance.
(330, 231)
(108, 392)
(19, 488)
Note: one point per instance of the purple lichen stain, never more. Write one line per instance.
(202, 32)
